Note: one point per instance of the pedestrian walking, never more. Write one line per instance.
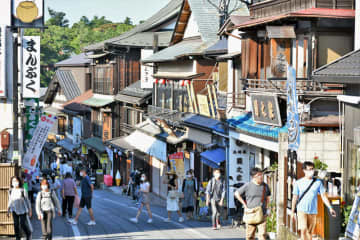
(87, 189)
(20, 207)
(305, 194)
(256, 204)
(68, 194)
(189, 192)
(144, 199)
(172, 202)
(215, 195)
(47, 204)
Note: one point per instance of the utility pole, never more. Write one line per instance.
(15, 95)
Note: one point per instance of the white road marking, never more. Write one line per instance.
(76, 231)
(200, 235)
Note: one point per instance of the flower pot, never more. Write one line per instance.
(272, 235)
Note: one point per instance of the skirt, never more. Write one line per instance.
(145, 198)
(172, 205)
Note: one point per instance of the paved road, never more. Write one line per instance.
(112, 213)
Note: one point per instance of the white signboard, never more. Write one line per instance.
(146, 71)
(2, 60)
(5, 12)
(37, 142)
(31, 67)
(28, 13)
(76, 131)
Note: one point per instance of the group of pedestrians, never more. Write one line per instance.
(47, 203)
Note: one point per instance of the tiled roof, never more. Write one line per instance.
(203, 122)
(76, 60)
(170, 11)
(145, 39)
(134, 94)
(220, 47)
(86, 95)
(98, 100)
(68, 84)
(345, 69)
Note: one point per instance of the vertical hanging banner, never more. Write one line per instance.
(32, 118)
(27, 13)
(293, 120)
(2, 61)
(37, 142)
(146, 70)
(31, 67)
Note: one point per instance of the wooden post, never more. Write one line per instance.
(190, 99)
(216, 102)
(196, 110)
(211, 101)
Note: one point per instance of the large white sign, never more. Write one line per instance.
(146, 71)
(31, 67)
(2, 60)
(28, 13)
(37, 142)
(5, 13)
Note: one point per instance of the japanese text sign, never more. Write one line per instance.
(31, 67)
(266, 109)
(293, 121)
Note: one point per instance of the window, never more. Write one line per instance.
(103, 80)
(70, 125)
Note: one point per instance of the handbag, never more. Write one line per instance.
(255, 215)
(172, 194)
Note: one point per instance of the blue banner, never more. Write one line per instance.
(293, 121)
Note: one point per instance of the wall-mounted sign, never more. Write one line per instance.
(266, 109)
(28, 13)
(37, 142)
(204, 107)
(293, 120)
(31, 67)
(146, 70)
(32, 118)
(2, 61)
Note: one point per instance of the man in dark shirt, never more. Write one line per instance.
(87, 189)
(215, 194)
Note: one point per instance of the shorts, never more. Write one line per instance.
(306, 221)
(85, 201)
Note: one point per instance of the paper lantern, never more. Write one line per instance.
(182, 83)
(156, 81)
(187, 82)
(163, 81)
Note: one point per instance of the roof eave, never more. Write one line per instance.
(337, 79)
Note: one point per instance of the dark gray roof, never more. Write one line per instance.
(64, 79)
(76, 60)
(134, 94)
(345, 69)
(204, 123)
(145, 39)
(170, 11)
(187, 47)
(220, 47)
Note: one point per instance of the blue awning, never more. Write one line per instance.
(213, 158)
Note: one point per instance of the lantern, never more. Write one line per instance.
(163, 81)
(156, 81)
(187, 82)
(182, 83)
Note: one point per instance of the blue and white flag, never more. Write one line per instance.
(293, 121)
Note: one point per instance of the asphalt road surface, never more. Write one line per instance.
(112, 214)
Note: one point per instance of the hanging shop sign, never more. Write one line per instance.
(104, 158)
(28, 13)
(177, 163)
(2, 60)
(31, 118)
(293, 121)
(147, 71)
(77, 133)
(84, 149)
(31, 67)
(266, 109)
(37, 142)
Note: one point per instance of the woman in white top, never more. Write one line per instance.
(144, 199)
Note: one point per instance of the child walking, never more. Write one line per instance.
(144, 199)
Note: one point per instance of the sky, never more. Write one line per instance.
(114, 10)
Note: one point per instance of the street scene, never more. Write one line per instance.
(180, 119)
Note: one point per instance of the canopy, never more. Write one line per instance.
(213, 158)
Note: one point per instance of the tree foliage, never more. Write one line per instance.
(59, 41)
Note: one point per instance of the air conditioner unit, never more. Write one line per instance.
(357, 136)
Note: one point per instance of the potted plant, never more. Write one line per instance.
(271, 221)
(320, 167)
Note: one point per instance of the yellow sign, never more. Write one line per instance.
(27, 11)
(203, 105)
(84, 149)
(104, 158)
(177, 164)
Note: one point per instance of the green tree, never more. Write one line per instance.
(128, 21)
(57, 18)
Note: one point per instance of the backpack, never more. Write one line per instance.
(212, 185)
(51, 196)
(22, 195)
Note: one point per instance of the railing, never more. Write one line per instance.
(97, 128)
(236, 100)
(172, 116)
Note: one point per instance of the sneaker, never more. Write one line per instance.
(214, 228)
(91, 223)
(181, 219)
(73, 221)
(134, 220)
(149, 220)
(167, 220)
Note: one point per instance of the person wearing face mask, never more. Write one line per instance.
(87, 189)
(20, 207)
(47, 204)
(215, 194)
(144, 199)
(305, 194)
(257, 195)
(172, 201)
(189, 192)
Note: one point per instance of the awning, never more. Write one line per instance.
(148, 144)
(280, 31)
(98, 101)
(213, 158)
(132, 99)
(67, 144)
(121, 143)
(349, 99)
(177, 75)
(94, 56)
(228, 56)
(95, 143)
(198, 136)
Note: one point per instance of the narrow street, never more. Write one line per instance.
(112, 213)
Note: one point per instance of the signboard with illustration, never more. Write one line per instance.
(266, 109)
(28, 13)
(146, 70)
(37, 142)
(31, 67)
(32, 118)
(177, 163)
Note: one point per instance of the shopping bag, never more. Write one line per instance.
(77, 202)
